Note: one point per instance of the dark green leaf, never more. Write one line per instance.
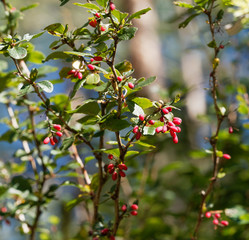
(127, 33)
(135, 109)
(138, 14)
(113, 124)
(142, 102)
(33, 74)
(63, 2)
(89, 107)
(21, 183)
(188, 20)
(55, 29)
(67, 143)
(17, 52)
(119, 15)
(212, 44)
(56, 55)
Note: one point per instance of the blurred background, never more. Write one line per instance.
(168, 181)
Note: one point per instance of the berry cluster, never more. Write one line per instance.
(133, 209)
(169, 126)
(75, 73)
(115, 169)
(52, 139)
(217, 221)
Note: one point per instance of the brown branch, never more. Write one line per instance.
(214, 138)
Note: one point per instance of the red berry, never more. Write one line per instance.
(224, 223)
(169, 109)
(111, 170)
(165, 129)
(110, 166)
(138, 135)
(151, 122)
(4, 210)
(112, 237)
(141, 117)
(217, 215)
(71, 72)
(124, 208)
(110, 156)
(161, 119)
(59, 134)
(122, 166)
(226, 156)
(55, 139)
(122, 174)
(215, 221)
(165, 111)
(134, 207)
(171, 124)
(172, 133)
(134, 213)
(175, 129)
(97, 15)
(91, 60)
(76, 73)
(222, 46)
(208, 214)
(114, 176)
(130, 85)
(175, 139)
(79, 75)
(102, 29)
(159, 129)
(91, 67)
(98, 58)
(93, 23)
(104, 231)
(112, 6)
(177, 120)
(57, 127)
(119, 78)
(178, 129)
(46, 140)
(52, 141)
(230, 130)
(135, 129)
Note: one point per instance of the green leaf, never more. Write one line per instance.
(127, 33)
(46, 86)
(36, 57)
(25, 89)
(188, 20)
(102, 3)
(17, 52)
(124, 66)
(138, 14)
(212, 44)
(148, 130)
(146, 82)
(56, 55)
(67, 143)
(77, 86)
(33, 74)
(63, 2)
(89, 107)
(135, 109)
(114, 124)
(82, 54)
(142, 102)
(93, 78)
(177, 98)
(55, 29)
(21, 183)
(183, 4)
(88, 5)
(119, 15)
(29, 7)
